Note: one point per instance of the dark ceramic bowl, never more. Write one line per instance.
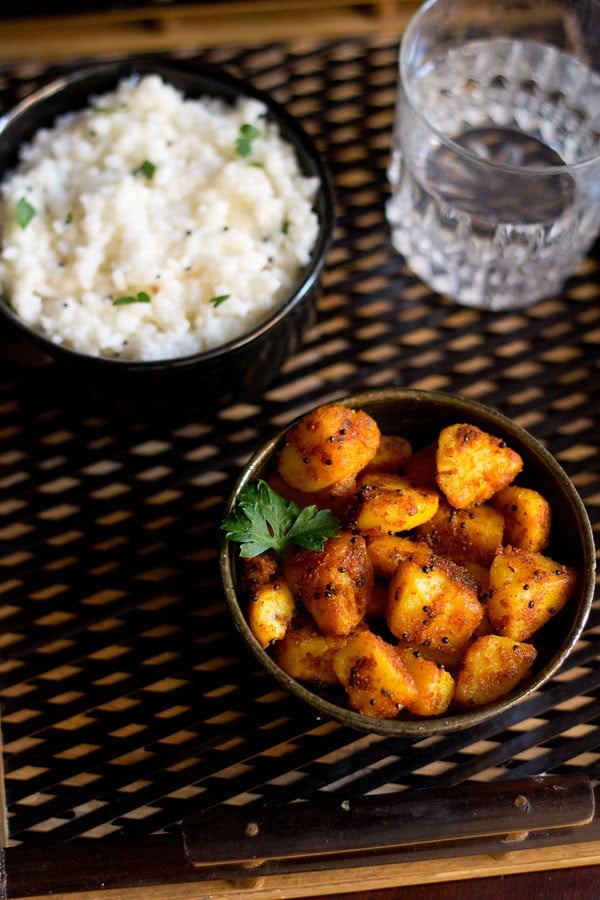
(244, 366)
(419, 415)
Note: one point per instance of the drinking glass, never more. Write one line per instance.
(495, 167)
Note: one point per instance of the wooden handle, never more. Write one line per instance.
(336, 826)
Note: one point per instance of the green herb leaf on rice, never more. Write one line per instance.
(220, 298)
(147, 169)
(140, 297)
(248, 134)
(25, 212)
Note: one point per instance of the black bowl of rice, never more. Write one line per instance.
(163, 230)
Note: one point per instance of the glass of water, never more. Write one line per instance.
(495, 169)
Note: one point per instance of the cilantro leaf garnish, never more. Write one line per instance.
(248, 134)
(147, 169)
(220, 298)
(140, 297)
(25, 212)
(264, 520)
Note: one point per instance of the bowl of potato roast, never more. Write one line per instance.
(407, 562)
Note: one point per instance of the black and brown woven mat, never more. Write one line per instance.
(127, 699)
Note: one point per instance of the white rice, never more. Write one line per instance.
(202, 223)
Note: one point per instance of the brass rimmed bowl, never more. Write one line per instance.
(419, 415)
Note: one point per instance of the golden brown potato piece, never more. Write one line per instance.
(527, 517)
(392, 453)
(333, 584)
(390, 503)
(337, 497)
(307, 655)
(481, 575)
(473, 465)
(377, 682)
(435, 685)
(492, 667)
(270, 611)
(421, 467)
(387, 550)
(377, 605)
(526, 590)
(464, 535)
(433, 605)
(257, 570)
(327, 446)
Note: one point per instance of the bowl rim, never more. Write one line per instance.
(419, 728)
(291, 130)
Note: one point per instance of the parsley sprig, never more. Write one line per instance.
(264, 520)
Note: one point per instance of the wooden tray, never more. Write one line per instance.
(128, 701)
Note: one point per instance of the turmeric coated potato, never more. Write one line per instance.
(526, 590)
(388, 550)
(492, 667)
(464, 535)
(306, 654)
(270, 611)
(527, 517)
(375, 678)
(421, 466)
(435, 685)
(433, 605)
(334, 584)
(337, 497)
(392, 453)
(327, 446)
(389, 503)
(473, 465)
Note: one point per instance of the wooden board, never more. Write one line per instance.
(127, 701)
(189, 26)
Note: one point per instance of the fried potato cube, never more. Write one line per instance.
(435, 685)
(377, 682)
(387, 550)
(257, 570)
(464, 535)
(390, 502)
(326, 446)
(421, 467)
(492, 667)
(307, 655)
(526, 590)
(271, 609)
(473, 465)
(481, 575)
(333, 584)
(337, 497)
(392, 453)
(527, 517)
(449, 661)
(377, 604)
(433, 605)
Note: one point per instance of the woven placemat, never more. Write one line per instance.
(127, 698)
